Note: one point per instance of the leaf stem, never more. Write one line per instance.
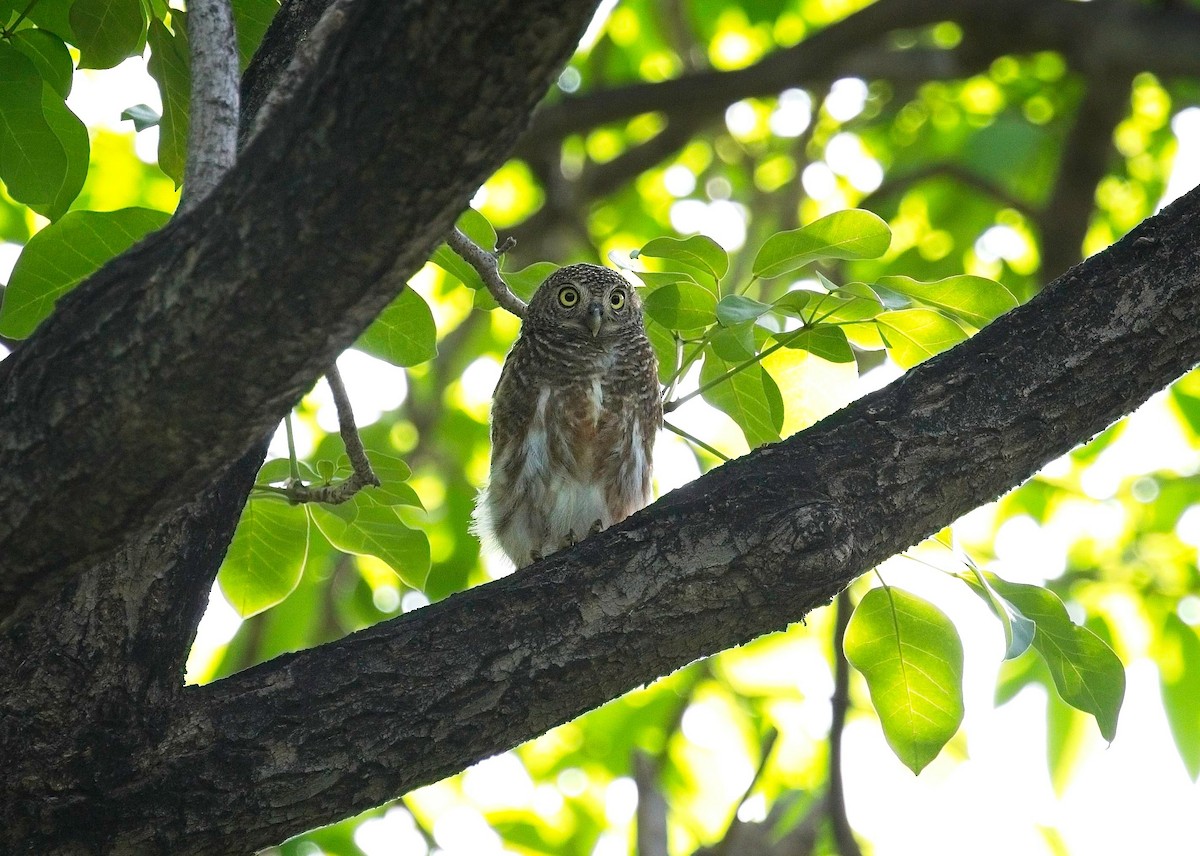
(293, 464)
(696, 441)
(703, 388)
(13, 27)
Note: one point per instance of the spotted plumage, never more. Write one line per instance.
(574, 417)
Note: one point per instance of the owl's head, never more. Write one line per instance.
(589, 300)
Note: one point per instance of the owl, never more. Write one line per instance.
(574, 417)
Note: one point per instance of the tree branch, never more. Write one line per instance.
(486, 264)
(361, 473)
(1134, 39)
(843, 833)
(84, 463)
(746, 549)
(213, 120)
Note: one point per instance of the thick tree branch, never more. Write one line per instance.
(347, 194)
(213, 120)
(746, 549)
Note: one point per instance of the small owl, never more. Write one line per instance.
(574, 417)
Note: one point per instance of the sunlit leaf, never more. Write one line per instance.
(1086, 672)
(43, 146)
(107, 31)
(828, 343)
(749, 397)
(394, 488)
(663, 342)
(735, 308)
(404, 333)
(1018, 630)
(976, 300)
(912, 658)
(363, 528)
(1179, 668)
(914, 335)
(698, 251)
(60, 256)
(170, 66)
(657, 279)
(852, 234)
(266, 557)
(49, 54)
(735, 343)
(682, 306)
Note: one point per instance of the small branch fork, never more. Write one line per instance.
(361, 475)
(488, 266)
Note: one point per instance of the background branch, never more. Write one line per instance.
(213, 122)
(487, 265)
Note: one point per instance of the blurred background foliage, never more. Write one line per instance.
(1001, 140)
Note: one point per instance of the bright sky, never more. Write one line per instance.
(1131, 797)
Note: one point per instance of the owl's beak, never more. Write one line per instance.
(595, 318)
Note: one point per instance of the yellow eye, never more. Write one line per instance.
(617, 299)
(568, 296)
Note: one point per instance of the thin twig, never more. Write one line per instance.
(489, 269)
(696, 441)
(213, 126)
(361, 475)
(843, 834)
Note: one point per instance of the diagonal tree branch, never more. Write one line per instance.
(186, 309)
(747, 549)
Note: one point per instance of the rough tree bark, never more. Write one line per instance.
(136, 396)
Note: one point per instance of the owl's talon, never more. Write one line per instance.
(534, 556)
(598, 526)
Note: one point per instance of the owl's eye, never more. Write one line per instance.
(568, 296)
(617, 300)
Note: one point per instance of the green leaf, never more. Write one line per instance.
(912, 658)
(1018, 630)
(404, 333)
(852, 234)
(52, 15)
(663, 342)
(274, 471)
(63, 254)
(143, 116)
(266, 557)
(750, 398)
(251, 19)
(107, 31)
(170, 66)
(1179, 666)
(828, 343)
(49, 55)
(795, 302)
(698, 251)
(363, 528)
(682, 306)
(476, 227)
(975, 299)
(44, 147)
(734, 344)
(1086, 672)
(914, 335)
(394, 489)
(655, 280)
(736, 308)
